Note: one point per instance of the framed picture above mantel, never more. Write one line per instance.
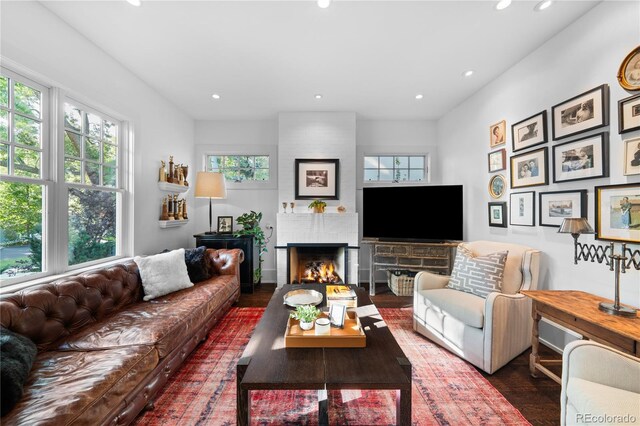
(317, 179)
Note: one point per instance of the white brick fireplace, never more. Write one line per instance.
(324, 135)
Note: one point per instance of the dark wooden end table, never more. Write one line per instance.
(267, 365)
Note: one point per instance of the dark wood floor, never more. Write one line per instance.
(537, 399)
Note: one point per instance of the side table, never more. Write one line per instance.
(578, 311)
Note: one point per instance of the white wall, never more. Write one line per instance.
(583, 56)
(38, 40)
(376, 137)
(244, 137)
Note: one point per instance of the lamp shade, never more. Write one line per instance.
(578, 225)
(210, 185)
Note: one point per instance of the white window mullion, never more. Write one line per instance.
(58, 235)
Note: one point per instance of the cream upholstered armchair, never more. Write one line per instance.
(488, 332)
(600, 385)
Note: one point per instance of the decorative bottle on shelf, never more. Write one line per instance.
(185, 171)
(162, 173)
(165, 212)
(170, 175)
(180, 212)
(175, 206)
(170, 208)
(184, 208)
(180, 176)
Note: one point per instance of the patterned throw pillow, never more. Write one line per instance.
(479, 275)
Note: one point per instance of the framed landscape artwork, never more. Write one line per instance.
(629, 114)
(581, 113)
(530, 169)
(556, 206)
(585, 158)
(498, 214)
(529, 132)
(497, 134)
(522, 208)
(317, 179)
(629, 72)
(497, 160)
(618, 213)
(497, 186)
(632, 157)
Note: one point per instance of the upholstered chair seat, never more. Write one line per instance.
(486, 326)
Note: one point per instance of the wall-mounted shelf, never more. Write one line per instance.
(172, 223)
(172, 187)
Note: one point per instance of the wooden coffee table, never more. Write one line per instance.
(267, 365)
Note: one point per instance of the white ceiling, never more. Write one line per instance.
(265, 57)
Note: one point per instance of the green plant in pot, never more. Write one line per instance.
(306, 314)
(251, 226)
(318, 206)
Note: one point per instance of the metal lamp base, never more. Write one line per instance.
(622, 311)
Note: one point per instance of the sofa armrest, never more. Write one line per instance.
(425, 280)
(507, 324)
(226, 261)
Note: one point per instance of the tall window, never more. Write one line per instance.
(238, 168)
(79, 199)
(23, 138)
(91, 172)
(395, 168)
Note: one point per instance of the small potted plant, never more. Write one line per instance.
(318, 206)
(306, 314)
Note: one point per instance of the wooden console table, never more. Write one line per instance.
(386, 255)
(578, 311)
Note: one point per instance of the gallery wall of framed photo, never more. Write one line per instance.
(575, 147)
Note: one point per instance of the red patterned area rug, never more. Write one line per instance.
(446, 389)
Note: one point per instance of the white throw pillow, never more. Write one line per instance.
(479, 275)
(163, 273)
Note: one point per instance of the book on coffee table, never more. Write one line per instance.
(341, 294)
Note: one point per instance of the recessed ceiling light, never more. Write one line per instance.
(419, 96)
(134, 2)
(503, 4)
(542, 5)
(468, 73)
(318, 96)
(215, 96)
(323, 4)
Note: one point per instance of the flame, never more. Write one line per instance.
(324, 273)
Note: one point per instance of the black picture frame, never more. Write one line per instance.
(225, 225)
(580, 159)
(530, 132)
(609, 221)
(522, 209)
(629, 114)
(521, 164)
(567, 204)
(631, 157)
(317, 179)
(584, 112)
(498, 220)
(497, 160)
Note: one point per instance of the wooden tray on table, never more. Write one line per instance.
(350, 336)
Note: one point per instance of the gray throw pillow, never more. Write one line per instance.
(479, 275)
(17, 354)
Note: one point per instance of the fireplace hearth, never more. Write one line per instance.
(321, 263)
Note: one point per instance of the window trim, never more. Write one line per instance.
(368, 151)
(202, 151)
(55, 202)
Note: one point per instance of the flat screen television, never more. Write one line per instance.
(413, 213)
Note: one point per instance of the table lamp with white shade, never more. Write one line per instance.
(211, 185)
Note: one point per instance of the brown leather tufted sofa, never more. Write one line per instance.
(103, 352)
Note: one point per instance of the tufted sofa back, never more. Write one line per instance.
(50, 312)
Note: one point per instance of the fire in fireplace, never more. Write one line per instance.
(317, 263)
